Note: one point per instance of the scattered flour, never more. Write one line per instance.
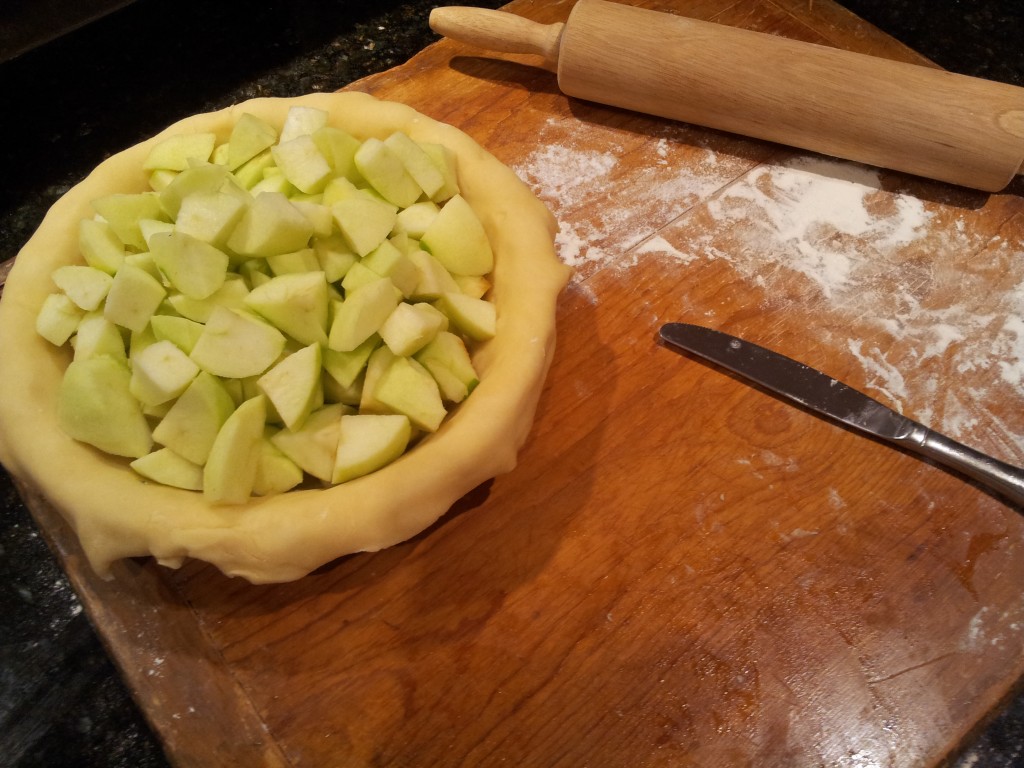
(872, 263)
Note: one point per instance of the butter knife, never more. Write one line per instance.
(828, 397)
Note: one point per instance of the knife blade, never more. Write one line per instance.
(830, 398)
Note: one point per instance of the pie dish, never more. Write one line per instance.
(117, 514)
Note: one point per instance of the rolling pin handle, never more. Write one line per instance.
(498, 31)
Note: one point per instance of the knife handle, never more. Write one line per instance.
(1005, 479)
(498, 31)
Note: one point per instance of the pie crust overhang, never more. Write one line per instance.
(118, 514)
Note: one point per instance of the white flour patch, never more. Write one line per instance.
(923, 302)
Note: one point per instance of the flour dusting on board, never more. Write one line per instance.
(932, 312)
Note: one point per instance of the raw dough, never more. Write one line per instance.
(117, 514)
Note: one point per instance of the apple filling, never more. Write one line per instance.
(269, 295)
(289, 304)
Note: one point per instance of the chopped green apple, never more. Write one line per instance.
(417, 218)
(195, 180)
(160, 372)
(230, 295)
(432, 280)
(230, 471)
(411, 326)
(476, 318)
(302, 163)
(275, 472)
(191, 425)
(417, 162)
(133, 298)
(448, 361)
(166, 467)
(123, 211)
(58, 319)
(293, 385)
(86, 286)
(386, 173)
(237, 344)
(301, 121)
(364, 222)
(345, 367)
(100, 245)
(96, 407)
(315, 444)
(444, 159)
(407, 387)
(192, 266)
(303, 260)
(181, 331)
(335, 257)
(210, 216)
(388, 261)
(362, 314)
(178, 152)
(339, 147)
(368, 442)
(295, 304)
(98, 336)
(456, 238)
(250, 136)
(270, 226)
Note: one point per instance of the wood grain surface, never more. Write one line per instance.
(682, 570)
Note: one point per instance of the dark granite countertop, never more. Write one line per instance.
(74, 100)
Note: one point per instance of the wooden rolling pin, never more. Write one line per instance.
(910, 118)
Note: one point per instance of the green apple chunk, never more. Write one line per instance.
(339, 147)
(295, 304)
(236, 344)
(160, 372)
(293, 385)
(230, 471)
(302, 163)
(230, 295)
(301, 121)
(314, 445)
(191, 425)
(58, 319)
(177, 152)
(123, 212)
(407, 387)
(199, 179)
(270, 226)
(210, 216)
(303, 260)
(367, 442)
(98, 336)
(85, 286)
(418, 163)
(448, 361)
(96, 407)
(194, 267)
(364, 222)
(358, 276)
(345, 367)
(380, 360)
(133, 298)
(457, 239)
(275, 472)
(432, 279)
(100, 246)
(335, 257)
(181, 331)
(249, 136)
(387, 260)
(444, 159)
(362, 314)
(411, 326)
(166, 467)
(386, 173)
(417, 218)
(319, 216)
(476, 318)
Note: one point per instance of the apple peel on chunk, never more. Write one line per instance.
(118, 514)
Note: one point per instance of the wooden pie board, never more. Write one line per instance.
(682, 570)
